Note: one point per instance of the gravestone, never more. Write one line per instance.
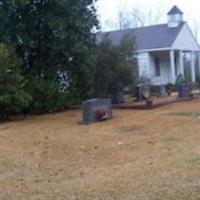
(143, 88)
(118, 94)
(94, 107)
(163, 92)
(184, 90)
(149, 103)
(146, 91)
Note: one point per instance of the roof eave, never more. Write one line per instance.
(154, 49)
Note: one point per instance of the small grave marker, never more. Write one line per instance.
(184, 90)
(96, 110)
(163, 92)
(118, 94)
(143, 88)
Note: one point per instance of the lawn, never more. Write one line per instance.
(138, 155)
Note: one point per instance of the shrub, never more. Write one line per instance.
(13, 97)
(180, 80)
(115, 64)
(46, 96)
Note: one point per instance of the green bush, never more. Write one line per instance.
(13, 97)
(46, 96)
(180, 80)
(155, 90)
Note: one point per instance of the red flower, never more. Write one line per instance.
(102, 114)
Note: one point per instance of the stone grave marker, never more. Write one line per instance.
(143, 89)
(163, 92)
(96, 110)
(184, 90)
(118, 94)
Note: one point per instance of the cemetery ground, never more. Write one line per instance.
(153, 154)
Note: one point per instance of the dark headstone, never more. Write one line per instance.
(149, 103)
(118, 94)
(184, 90)
(163, 92)
(139, 92)
(94, 108)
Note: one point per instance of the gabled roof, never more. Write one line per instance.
(175, 10)
(149, 37)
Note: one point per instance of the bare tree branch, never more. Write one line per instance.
(140, 18)
(136, 18)
(195, 27)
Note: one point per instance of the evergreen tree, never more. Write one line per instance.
(54, 41)
(115, 64)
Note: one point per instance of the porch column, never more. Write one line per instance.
(172, 67)
(198, 64)
(181, 67)
(193, 75)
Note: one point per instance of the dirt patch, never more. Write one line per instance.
(130, 129)
(194, 115)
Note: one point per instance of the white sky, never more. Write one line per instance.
(108, 9)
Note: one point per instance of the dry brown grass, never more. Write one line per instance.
(136, 155)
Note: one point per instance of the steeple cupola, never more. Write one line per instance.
(175, 17)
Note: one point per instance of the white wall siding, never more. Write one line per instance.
(185, 40)
(143, 64)
(147, 68)
(164, 72)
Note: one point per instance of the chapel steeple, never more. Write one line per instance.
(175, 17)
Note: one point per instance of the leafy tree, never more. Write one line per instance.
(115, 64)
(54, 41)
(13, 97)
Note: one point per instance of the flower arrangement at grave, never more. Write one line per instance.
(103, 114)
